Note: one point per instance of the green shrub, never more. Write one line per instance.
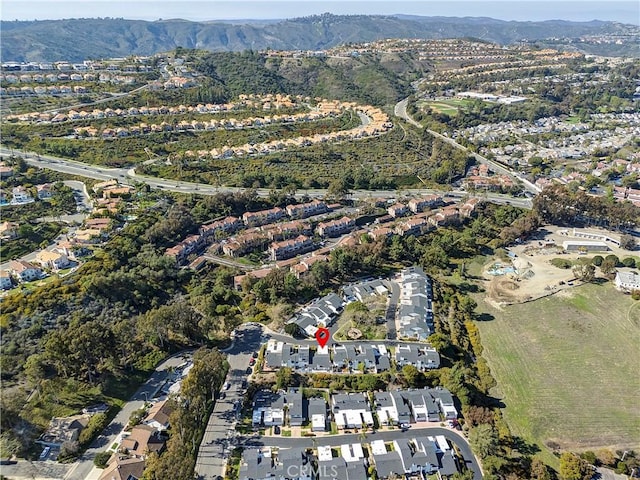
(561, 263)
(101, 459)
(629, 262)
(597, 260)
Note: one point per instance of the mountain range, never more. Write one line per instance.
(80, 39)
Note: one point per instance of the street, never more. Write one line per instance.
(220, 433)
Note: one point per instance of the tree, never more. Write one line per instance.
(101, 459)
(284, 378)
(584, 271)
(573, 467)
(609, 264)
(628, 242)
(292, 329)
(539, 470)
(484, 440)
(412, 376)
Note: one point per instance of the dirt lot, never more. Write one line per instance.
(534, 275)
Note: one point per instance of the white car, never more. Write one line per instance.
(226, 386)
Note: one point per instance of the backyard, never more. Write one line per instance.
(567, 367)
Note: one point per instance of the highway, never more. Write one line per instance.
(128, 176)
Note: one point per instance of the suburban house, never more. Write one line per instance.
(257, 464)
(52, 260)
(387, 462)
(280, 354)
(45, 191)
(5, 280)
(121, 467)
(320, 361)
(243, 243)
(141, 441)
(268, 409)
(423, 358)
(158, 415)
(380, 232)
(424, 407)
(25, 271)
(305, 210)
(627, 281)
(21, 195)
(191, 244)
(428, 404)
(351, 410)
(335, 228)
(254, 219)
(9, 230)
(415, 312)
(290, 248)
(417, 205)
(63, 429)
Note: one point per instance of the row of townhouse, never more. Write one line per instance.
(347, 357)
(415, 458)
(403, 407)
(97, 113)
(415, 309)
(321, 312)
(352, 410)
(297, 211)
(205, 236)
(290, 248)
(183, 126)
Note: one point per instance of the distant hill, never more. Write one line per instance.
(79, 39)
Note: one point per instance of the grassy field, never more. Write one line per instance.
(567, 367)
(448, 107)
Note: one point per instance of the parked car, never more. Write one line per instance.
(254, 355)
(222, 395)
(226, 386)
(252, 362)
(249, 370)
(276, 430)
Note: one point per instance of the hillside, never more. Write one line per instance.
(376, 79)
(79, 39)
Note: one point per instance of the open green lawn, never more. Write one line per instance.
(448, 107)
(567, 367)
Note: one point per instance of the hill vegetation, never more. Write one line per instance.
(52, 40)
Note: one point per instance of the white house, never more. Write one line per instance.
(627, 281)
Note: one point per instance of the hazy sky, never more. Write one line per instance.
(578, 10)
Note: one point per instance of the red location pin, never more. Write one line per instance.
(322, 336)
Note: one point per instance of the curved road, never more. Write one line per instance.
(400, 110)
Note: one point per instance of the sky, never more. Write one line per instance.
(201, 10)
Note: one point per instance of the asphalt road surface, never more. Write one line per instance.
(220, 435)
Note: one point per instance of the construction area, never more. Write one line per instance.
(528, 273)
